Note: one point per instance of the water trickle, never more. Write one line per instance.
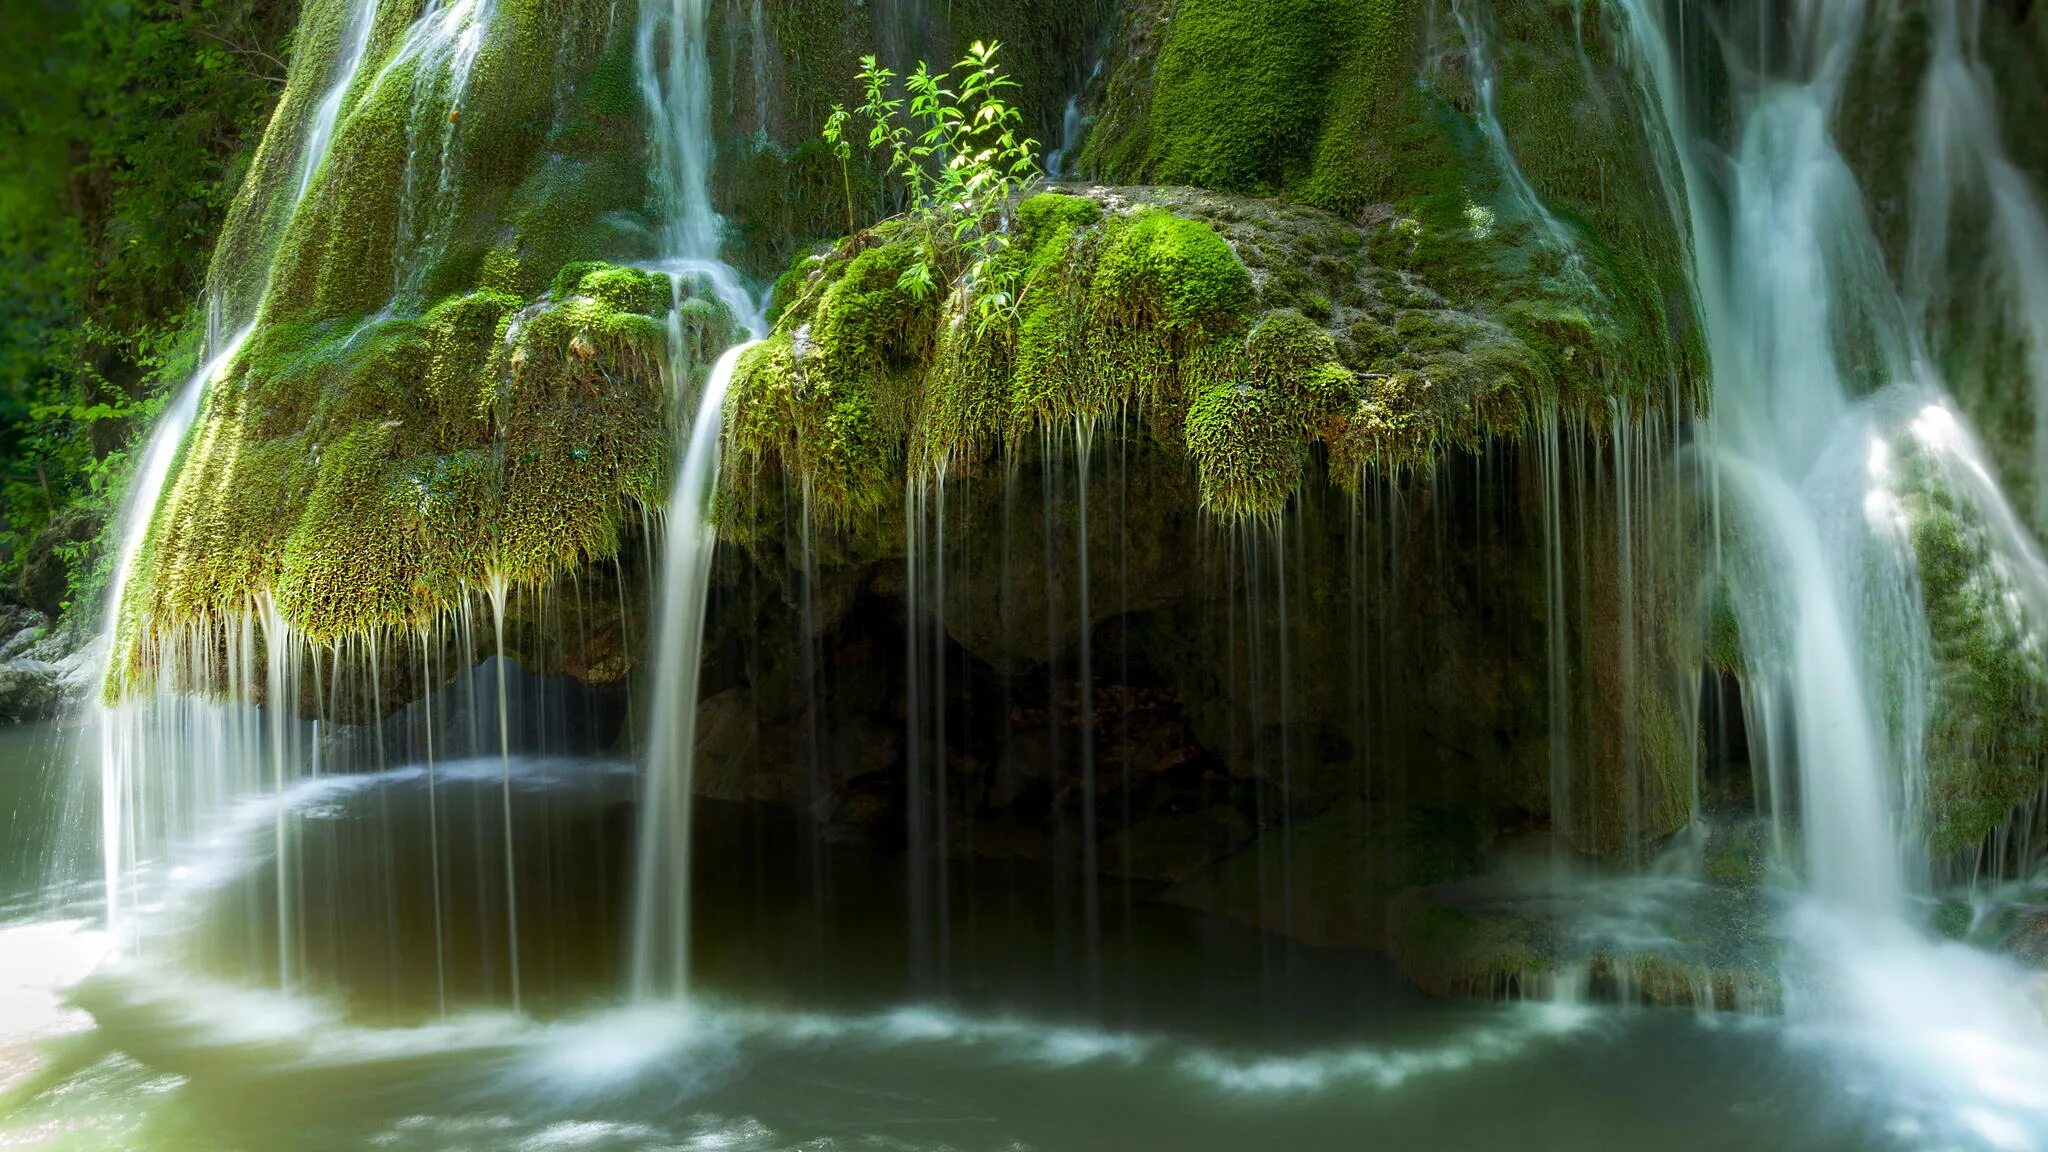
(661, 926)
(362, 20)
(443, 46)
(1485, 83)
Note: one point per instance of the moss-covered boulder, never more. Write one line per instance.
(1509, 139)
(1986, 609)
(1249, 334)
(361, 478)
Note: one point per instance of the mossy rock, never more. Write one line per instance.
(1251, 335)
(1358, 106)
(1987, 707)
(365, 478)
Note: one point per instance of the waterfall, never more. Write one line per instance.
(123, 742)
(1788, 272)
(661, 927)
(1822, 377)
(1961, 157)
(362, 19)
(134, 732)
(443, 45)
(673, 62)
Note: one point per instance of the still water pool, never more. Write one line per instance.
(803, 1031)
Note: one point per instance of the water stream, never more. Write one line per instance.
(470, 922)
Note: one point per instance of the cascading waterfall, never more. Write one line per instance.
(130, 730)
(123, 725)
(673, 61)
(661, 920)
(1791, 267)
(1803, 447)
(672, 56)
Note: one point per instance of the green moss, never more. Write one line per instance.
(1142, 309)
(828, 398)
(1355, 103)
(1161, 270)
(1988, 709)
(368, 477)
(1238, 92)
(1255, 412)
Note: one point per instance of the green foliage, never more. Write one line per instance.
(959, 157)
(126, 127)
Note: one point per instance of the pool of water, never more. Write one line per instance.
(383, 1019)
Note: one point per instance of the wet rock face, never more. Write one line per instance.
(1286, 723)
(31, 686)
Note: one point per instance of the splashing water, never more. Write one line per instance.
(1821, 381)
(661, 922)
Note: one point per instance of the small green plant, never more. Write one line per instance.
(960, 158)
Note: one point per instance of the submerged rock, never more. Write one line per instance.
(1692, 937)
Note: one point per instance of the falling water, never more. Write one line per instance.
(1485, 82)
(661, 924)
(443, 45)
(1792, 268)
(1073, 123)
(672, 57)
(1821, 381)
(121, 730)
(362, 19)
(1961, 158)
(146, 742)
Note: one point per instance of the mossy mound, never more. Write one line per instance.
(1986, 611)
(440, 393)
(1247, 335)
(365, 477)
(1545, 202)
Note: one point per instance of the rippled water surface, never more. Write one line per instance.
(806, 1032)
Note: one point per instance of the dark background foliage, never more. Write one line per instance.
(125, 126)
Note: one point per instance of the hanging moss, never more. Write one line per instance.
(368, 476)
(1181, 306)
(1254, 411)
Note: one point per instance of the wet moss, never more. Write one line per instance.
(1370, 102)
(1987, 738)
(368, 477)
(1180, 306)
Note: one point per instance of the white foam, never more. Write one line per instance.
(39, 963)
